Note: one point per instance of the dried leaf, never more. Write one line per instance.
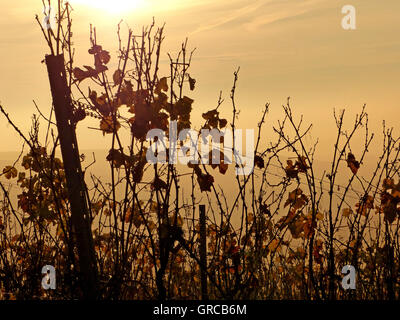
(108, 125)
(192, 83)
(291, 171)
(104, 56)
(162, 85)
(346, 212)
(223, 167)
(222, 123)
(352, 163)
(117, 77)
(159, 184)
(205, 181)
(10, 172)
(259, 162)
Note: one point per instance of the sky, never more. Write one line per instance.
(283, 47)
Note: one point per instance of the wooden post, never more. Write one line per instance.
(203, 252)
(76, 186)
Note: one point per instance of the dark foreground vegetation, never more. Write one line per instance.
(285, 234)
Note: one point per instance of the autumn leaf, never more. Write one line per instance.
(317, 251)
(387, 183)
(366, 203)
(138, 167)
(291, 171)
(301, 164)
(183, 108)
(107, 125)
(390, 212)
(80, 74)
(117, 77)
(137, 220)
(319, 216)
(296, 200)
(264, 209)
(104, 56)
(209, 115)
(93, 96)
(223, 167)
(90, 71)
(78, 114)
(117, 157)
(215, 162)
(205, 181)
(125, 95)
(259, 162)
(21, 177)
(192, 83)
(390, 199)
(346, 212)
(139, 128)
(352, 163)
(162, 85)
(10, 172)
(101, 68)
(307, 228)
(158, 184)
(27, 162)
(222, 123)
(128, 215)
(95, 49)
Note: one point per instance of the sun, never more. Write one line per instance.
(111, 6)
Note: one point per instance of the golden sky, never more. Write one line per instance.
(284, 48)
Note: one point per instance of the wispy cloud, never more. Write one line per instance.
(231, 16)
(260, 13)
(280, 11)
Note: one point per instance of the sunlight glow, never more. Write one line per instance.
(111, 6)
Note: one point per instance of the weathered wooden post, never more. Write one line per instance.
(203, 252)
(76, 187)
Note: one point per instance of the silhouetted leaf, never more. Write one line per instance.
(352, 163)
(192, 83)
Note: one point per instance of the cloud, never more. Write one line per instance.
(280, 11)
(261, 13)
(231, 16)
